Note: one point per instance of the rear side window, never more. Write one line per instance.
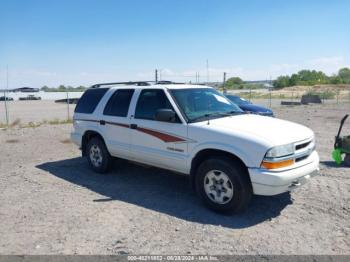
(89, 100)
(118, 104)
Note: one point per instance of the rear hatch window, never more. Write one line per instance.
(89, 100)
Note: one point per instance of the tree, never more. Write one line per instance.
(313, 77)
(308, 77)
(234, 82)
(335, 80)
(281, 81)
(45, 88)
(344, 74)
(294, 80)
(81, 88)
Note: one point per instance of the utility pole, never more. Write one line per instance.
(156, 76)
(68, 117)
(224, 84)
(5, 97)
(270, 90)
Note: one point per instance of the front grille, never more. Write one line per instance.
(301, 146)
(301, 158)
(303, 150)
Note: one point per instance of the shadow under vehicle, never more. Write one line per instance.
(161, 191)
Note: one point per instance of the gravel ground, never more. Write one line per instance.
(51, 203)
(35, 111)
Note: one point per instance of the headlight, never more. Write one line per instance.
(275, 157)
(280, 151)
(313, 144)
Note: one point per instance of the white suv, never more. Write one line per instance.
(195, 130)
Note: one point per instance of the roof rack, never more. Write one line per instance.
(136, 83)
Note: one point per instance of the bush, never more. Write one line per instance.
(312, 77)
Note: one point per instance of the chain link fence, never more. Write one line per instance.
(293, 96)
(31, 113)
(34, 109)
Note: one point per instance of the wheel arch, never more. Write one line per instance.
(205, 154)
(88, 135)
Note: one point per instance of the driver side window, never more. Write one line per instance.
(151, 100)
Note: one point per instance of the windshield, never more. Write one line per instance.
(199, 104)
(237, 100)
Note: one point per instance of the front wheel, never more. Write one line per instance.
(98, 156)
(223, 185)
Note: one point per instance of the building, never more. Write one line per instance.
(25, 89)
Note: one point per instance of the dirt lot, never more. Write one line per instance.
(51, 203)
(35, 111)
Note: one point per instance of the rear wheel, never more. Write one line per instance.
(98, 156)
(223, 185)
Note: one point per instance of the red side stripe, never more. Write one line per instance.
(117, 124)
(162, 136)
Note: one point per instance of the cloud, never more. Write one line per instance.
(329, 65)
(39, 77)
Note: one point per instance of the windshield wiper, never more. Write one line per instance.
(231, 113)
(220, 114)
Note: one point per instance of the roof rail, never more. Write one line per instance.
(166, 82)
(137, 83)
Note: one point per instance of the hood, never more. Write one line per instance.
(254, 108)
(272, 130)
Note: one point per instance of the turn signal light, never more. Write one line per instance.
(275, 165)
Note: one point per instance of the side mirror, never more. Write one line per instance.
(165, 115)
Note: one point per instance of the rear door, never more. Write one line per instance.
(163, 144)
(115, 122)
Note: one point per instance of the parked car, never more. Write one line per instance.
(3, 98)
(30, 97)
(247, 106)
(195, 130)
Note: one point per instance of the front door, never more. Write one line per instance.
(162, 144)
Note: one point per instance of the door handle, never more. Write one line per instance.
(133, 126)
(102, 122)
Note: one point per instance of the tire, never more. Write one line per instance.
(223, 185)
(98, 156)
(347, 160)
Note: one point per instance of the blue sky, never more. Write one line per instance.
(84, 41)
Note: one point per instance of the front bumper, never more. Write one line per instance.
(267, 182)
